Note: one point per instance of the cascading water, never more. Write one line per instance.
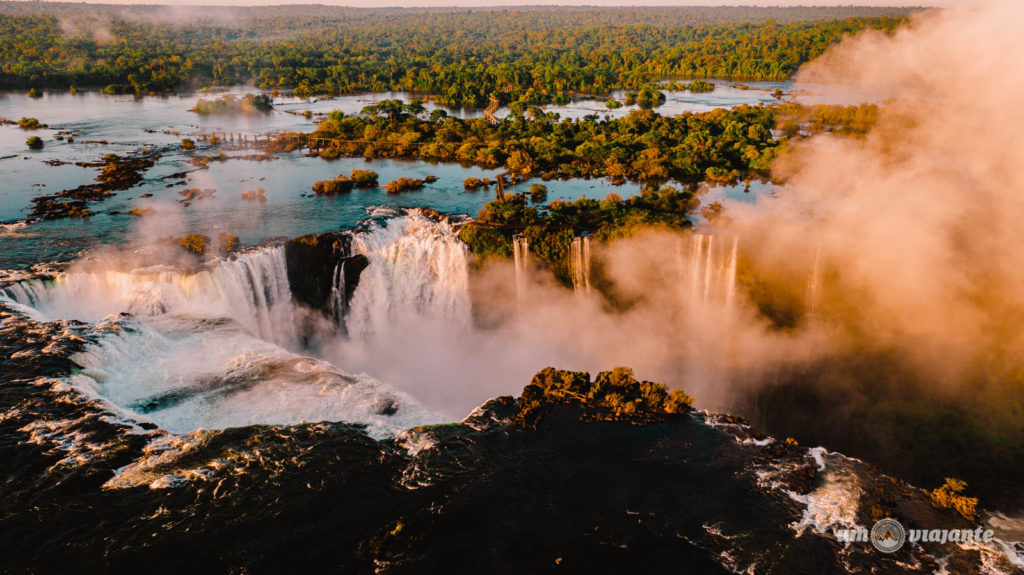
(579, 264)
(418, 273)
(709, 270)
(336, 305)
(251, 290)
(521, 252)
(814, 284)
(208, 349)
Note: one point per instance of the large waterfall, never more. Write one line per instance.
(709, 269)
(209, 349)
(418, 272)
(579, 264)
(251, 290)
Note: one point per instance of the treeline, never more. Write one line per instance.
(459, 57)
(721, 145)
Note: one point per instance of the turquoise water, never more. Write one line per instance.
(129, 125)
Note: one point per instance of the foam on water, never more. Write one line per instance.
(418, 273)
(209, 350)
(251, 290)
(834, 503)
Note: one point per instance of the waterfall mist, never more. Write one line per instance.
(909, 237)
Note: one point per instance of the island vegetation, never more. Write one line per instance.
(250, 104)
(643, 146)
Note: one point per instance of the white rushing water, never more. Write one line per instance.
(579, 264)
(708, 268)
(210, 349)
(251, 290)
(418, 274)
(814, 284)
(521, 255)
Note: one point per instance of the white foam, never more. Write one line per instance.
(418, 272)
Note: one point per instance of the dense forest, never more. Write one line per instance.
(721, 145)
(459, 57)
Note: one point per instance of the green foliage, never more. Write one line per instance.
(228, 242)
(257, 195)
(195, 243)
(251, 104)
(950, 496)
(187, 144)
(473, 183)
(643, 146)
(34, 143)
(613, 104)
(649, 98)
(458, 57)
(538, 192)
(614, 395)
(403, 184)
(847, 120)
(551, 231)
(700, 86)
(364, 178)
(339, 185)
(29, 124)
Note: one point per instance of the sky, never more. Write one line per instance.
(436, 3)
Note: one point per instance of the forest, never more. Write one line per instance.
(722, 145)
(457, 57)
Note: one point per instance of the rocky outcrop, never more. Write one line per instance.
(313, 261)
(587, 485)
(116, 174)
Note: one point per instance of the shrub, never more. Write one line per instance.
(949, 497)
(474, 183)
(187, 144)
(538, 193)
(35, 143)
(230, 104)
(700, 86)
(339, 185)
(195, 243)
(403, 185)
(29, 124)
(228, 242)
(364, 178)
(257, 195)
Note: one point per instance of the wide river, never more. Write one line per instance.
(129, 124)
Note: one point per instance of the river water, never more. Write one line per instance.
(159, 364)
(128, 124)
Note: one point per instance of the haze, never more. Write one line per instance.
(442, 3)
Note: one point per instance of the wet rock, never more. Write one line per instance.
(116, 174)
(313, 262)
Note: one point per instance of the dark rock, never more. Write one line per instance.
(312, 262)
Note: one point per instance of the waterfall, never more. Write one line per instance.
(730, 285)
(27, 293)
(814, 284)
(418, 271)
(579, 264)
(711, 269)
(336, 304)
(521, 252)
(251, 290)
